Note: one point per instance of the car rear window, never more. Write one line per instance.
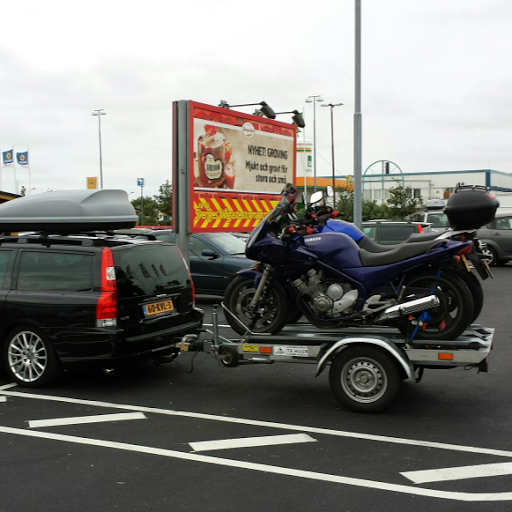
(149, 269)
(55, 271)
(397, 232)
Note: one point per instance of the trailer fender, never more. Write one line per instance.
(384, 343)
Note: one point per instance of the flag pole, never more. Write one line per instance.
(28, 168)
(14, 169)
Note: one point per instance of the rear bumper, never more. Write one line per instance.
(103, 347)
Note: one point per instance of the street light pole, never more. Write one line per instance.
(100, 112)
(316, 98)
(332, 105)
(358, 122)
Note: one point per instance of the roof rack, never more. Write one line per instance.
(83, 240)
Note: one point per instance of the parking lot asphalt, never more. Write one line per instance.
(194, 435)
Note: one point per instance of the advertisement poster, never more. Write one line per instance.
(240, 164)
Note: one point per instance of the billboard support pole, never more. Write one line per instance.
(181, 177)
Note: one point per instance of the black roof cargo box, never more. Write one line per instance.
(68, 211)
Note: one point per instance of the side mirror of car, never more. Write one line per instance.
(210, 254)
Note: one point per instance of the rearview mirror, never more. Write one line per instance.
(316, 196)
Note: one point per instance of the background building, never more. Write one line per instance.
(437, 184)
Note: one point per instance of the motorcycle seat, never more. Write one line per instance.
(370, 245)
(400, 252)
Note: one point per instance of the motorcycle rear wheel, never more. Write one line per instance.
(270, 315)
(476, 291)
(455, 312)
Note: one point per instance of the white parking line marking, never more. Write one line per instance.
(87, 419)
(8, 386)
(265, 468)
(269, 424)
(459, 473)
(3, 399)
(250, 442)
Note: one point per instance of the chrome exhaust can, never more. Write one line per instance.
(406, 308)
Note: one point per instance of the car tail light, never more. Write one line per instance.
(190, 277)
(106, 307)
(420, 228)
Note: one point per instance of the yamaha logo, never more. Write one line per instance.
(315, 239)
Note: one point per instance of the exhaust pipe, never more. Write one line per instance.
(413, 306)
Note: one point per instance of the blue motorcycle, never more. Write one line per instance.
(318, 213)
(334, 283)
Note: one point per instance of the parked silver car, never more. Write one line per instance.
(497, 237)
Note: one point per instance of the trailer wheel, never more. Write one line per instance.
(229, 357)
(364, 379)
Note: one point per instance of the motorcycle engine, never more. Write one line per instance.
(327, 298)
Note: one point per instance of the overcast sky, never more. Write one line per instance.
(436, 81)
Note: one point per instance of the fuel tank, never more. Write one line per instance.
(341, 226)
(336, 248)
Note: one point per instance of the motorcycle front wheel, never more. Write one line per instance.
(454, 313)
(270, 315)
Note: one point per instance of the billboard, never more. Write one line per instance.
(239, 163)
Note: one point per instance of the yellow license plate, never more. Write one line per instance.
(158, 307)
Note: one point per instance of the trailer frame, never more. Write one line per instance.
(367, 364)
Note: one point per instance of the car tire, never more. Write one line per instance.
(490, 255)
(30, 359)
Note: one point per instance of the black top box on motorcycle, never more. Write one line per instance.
(470, 207)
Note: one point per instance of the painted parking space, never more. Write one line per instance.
(233, 450)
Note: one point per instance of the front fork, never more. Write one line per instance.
(261, 286)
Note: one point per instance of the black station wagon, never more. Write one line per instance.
(69, 300)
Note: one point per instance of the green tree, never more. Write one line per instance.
(369, 209)
(401, 203)
(164, 202)
(150, 213)
(345, 203)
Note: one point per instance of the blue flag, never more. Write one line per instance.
(22, 158)
(7, 157)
